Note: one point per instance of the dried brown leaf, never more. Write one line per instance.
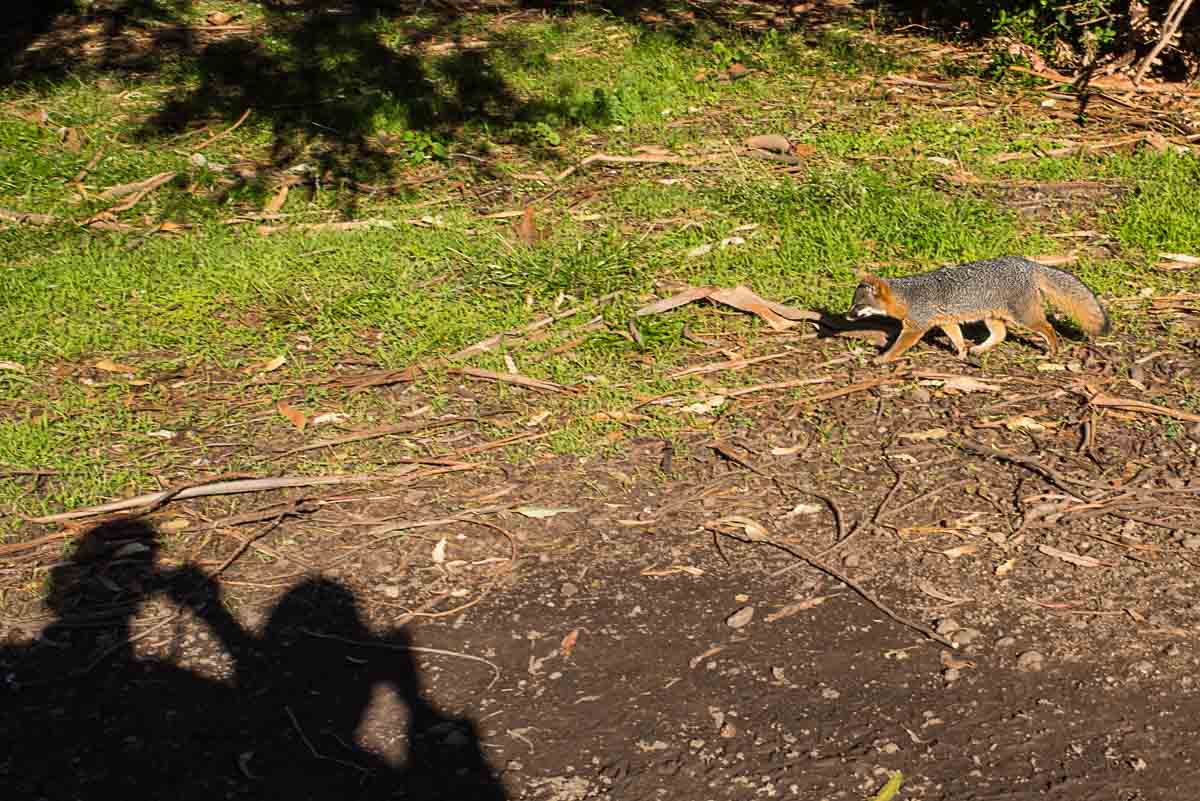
(1073, 558)
(109, 366)
(72, 140)
(269, 366)
(277, 200)
(298, 418)
(933, 592)
(526, 231)
(796, 608)
(772, 142)
(924, 436)
(568, 643)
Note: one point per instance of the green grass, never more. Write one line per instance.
(205, 304)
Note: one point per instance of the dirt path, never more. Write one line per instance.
(607, 661)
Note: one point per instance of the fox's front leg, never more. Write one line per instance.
(909, 335)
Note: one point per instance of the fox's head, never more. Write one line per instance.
(873, 296)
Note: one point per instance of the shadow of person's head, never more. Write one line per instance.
(110, 570)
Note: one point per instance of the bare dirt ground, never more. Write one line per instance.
(571, 628)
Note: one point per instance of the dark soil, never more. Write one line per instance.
(282, 659)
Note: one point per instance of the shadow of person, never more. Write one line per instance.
(83, 715)
(314, 674)
(86, 713)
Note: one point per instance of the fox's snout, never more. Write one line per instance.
(858, 311)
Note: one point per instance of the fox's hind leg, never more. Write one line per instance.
(956, 338)
(1034, 318)
(996, 333)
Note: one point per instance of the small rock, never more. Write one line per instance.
(1172, 650)
(1006, 642)
(947, 626)
(1145, 667)
(951, 675)
(1031, 662)
(830, 694)
(890, 748)
(729, 730)
(777, 673)
(568, 589)
(390, 590)
(740, 618)
(1192, 542)
(966, 636)
(920, 395)
(851, 560)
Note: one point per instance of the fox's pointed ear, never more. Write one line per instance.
(879, 285)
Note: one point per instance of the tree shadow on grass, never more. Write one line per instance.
(327, 76)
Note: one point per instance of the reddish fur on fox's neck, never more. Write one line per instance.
(887, 299)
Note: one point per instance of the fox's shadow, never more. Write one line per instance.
(273, 715)
(881, 332)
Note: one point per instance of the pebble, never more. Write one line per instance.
(1006, 642)
(390, 590)
(1031, 662)
(920, 395)
(947, 625)
(568, 589)
(740, 618)
(1145, 667)
(851, 560)
(1192, 542)
(951, 675)
(1172, 650)
(830, 694)
(966, 636)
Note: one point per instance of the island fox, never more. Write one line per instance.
(1009, 289)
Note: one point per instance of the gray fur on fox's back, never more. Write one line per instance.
(994, 284)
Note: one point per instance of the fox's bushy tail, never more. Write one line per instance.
(1068, 293)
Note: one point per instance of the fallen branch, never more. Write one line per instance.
(138, 189)
(27, 217)
(155, 499)
(796, 382)
(385, 431)
(834, 573)
(91, 165)
(742, 298)
(493, 341)
(643, 158)
(1113, 402)
(1056, 478)
(223, 133)
(1175, 15)
(416, 649)
(861, 386)
(730, 364)
(349, 225)
(516, 379)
